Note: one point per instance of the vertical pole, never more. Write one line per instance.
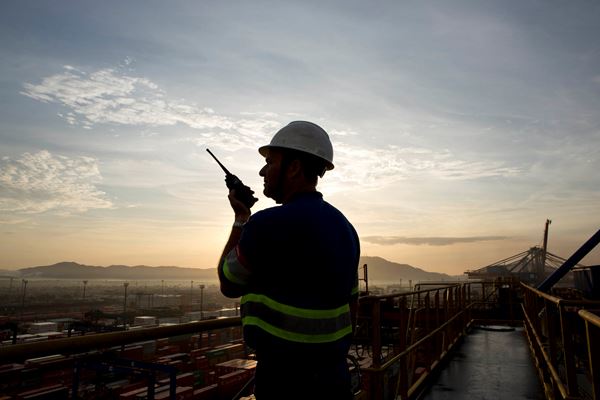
(403, 343)
(191, 295)
(483, 291)
(366, 278)
(377, 375)
(75, 385)
(23, 299)
(428, 316)
(552, 345)
(125, 285)
(540, 272)
(172, 385)
(376, 313)
(436, 304)
(201, 302)
(566, 323)
(592, 333)
(151, 384)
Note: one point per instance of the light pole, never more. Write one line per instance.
(191, 295)
(23, 300)
(125, 284)
(84, 285)
(201, 302)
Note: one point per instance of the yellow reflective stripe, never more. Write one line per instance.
(354, 291)
(296, 337)
(296, 311)
(229, 275)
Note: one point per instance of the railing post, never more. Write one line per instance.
(404, 327)
(550, 325)
(483, 298)
(592, 333)
(447, 295)
(428, 315)
(376, 378)
(463, 307)
(376, 321)
(404, 332)
(436, 304)
(566, 329)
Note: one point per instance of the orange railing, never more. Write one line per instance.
(564, 353)
(402, 338)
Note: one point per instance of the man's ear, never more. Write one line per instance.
(294, 169)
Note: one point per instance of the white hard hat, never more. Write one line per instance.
(306, 137)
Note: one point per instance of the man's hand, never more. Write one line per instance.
(242, 213)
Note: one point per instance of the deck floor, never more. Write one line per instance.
(488, 365)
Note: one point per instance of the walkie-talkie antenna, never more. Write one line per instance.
(242, 192)
(218, 162)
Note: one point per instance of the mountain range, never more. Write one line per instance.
(379, 269)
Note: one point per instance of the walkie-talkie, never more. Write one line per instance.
(242, 192)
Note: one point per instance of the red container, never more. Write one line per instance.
(206, 393)
(186, 379)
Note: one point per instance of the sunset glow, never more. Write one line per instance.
(458, 127)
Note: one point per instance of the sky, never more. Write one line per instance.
(458, 127)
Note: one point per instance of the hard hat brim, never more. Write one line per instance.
(263, 152)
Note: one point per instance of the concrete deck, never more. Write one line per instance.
(488, 365)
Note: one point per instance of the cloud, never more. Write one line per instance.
(430, 241)
(41, 182)
(110, 96)
(376, 168)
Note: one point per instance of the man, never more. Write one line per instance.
(295, 266)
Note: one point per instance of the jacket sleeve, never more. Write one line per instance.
(233, 275)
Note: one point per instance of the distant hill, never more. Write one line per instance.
(379, 270)
(8, 274)
(73, 270)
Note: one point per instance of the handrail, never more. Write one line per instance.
(555, 375)
(553, 326)
(445, 316)
(590, 317)
(373, 297)
(79, 344)
(558, 300)
(419, 342)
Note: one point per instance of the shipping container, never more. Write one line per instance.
(206, 393)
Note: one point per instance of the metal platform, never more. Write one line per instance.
(492, 363)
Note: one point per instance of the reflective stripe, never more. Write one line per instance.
(294, 323)
(295, 311)
(296, 337)
(233, 269)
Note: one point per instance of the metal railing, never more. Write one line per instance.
(401, 339)
(563, 338)
(82, 344)
(407, 335)
(592, 330)
(84, 351)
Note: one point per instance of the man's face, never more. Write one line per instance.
(271, 174)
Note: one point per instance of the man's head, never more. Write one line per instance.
(297, 155)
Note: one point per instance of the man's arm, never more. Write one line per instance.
(232, 274)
